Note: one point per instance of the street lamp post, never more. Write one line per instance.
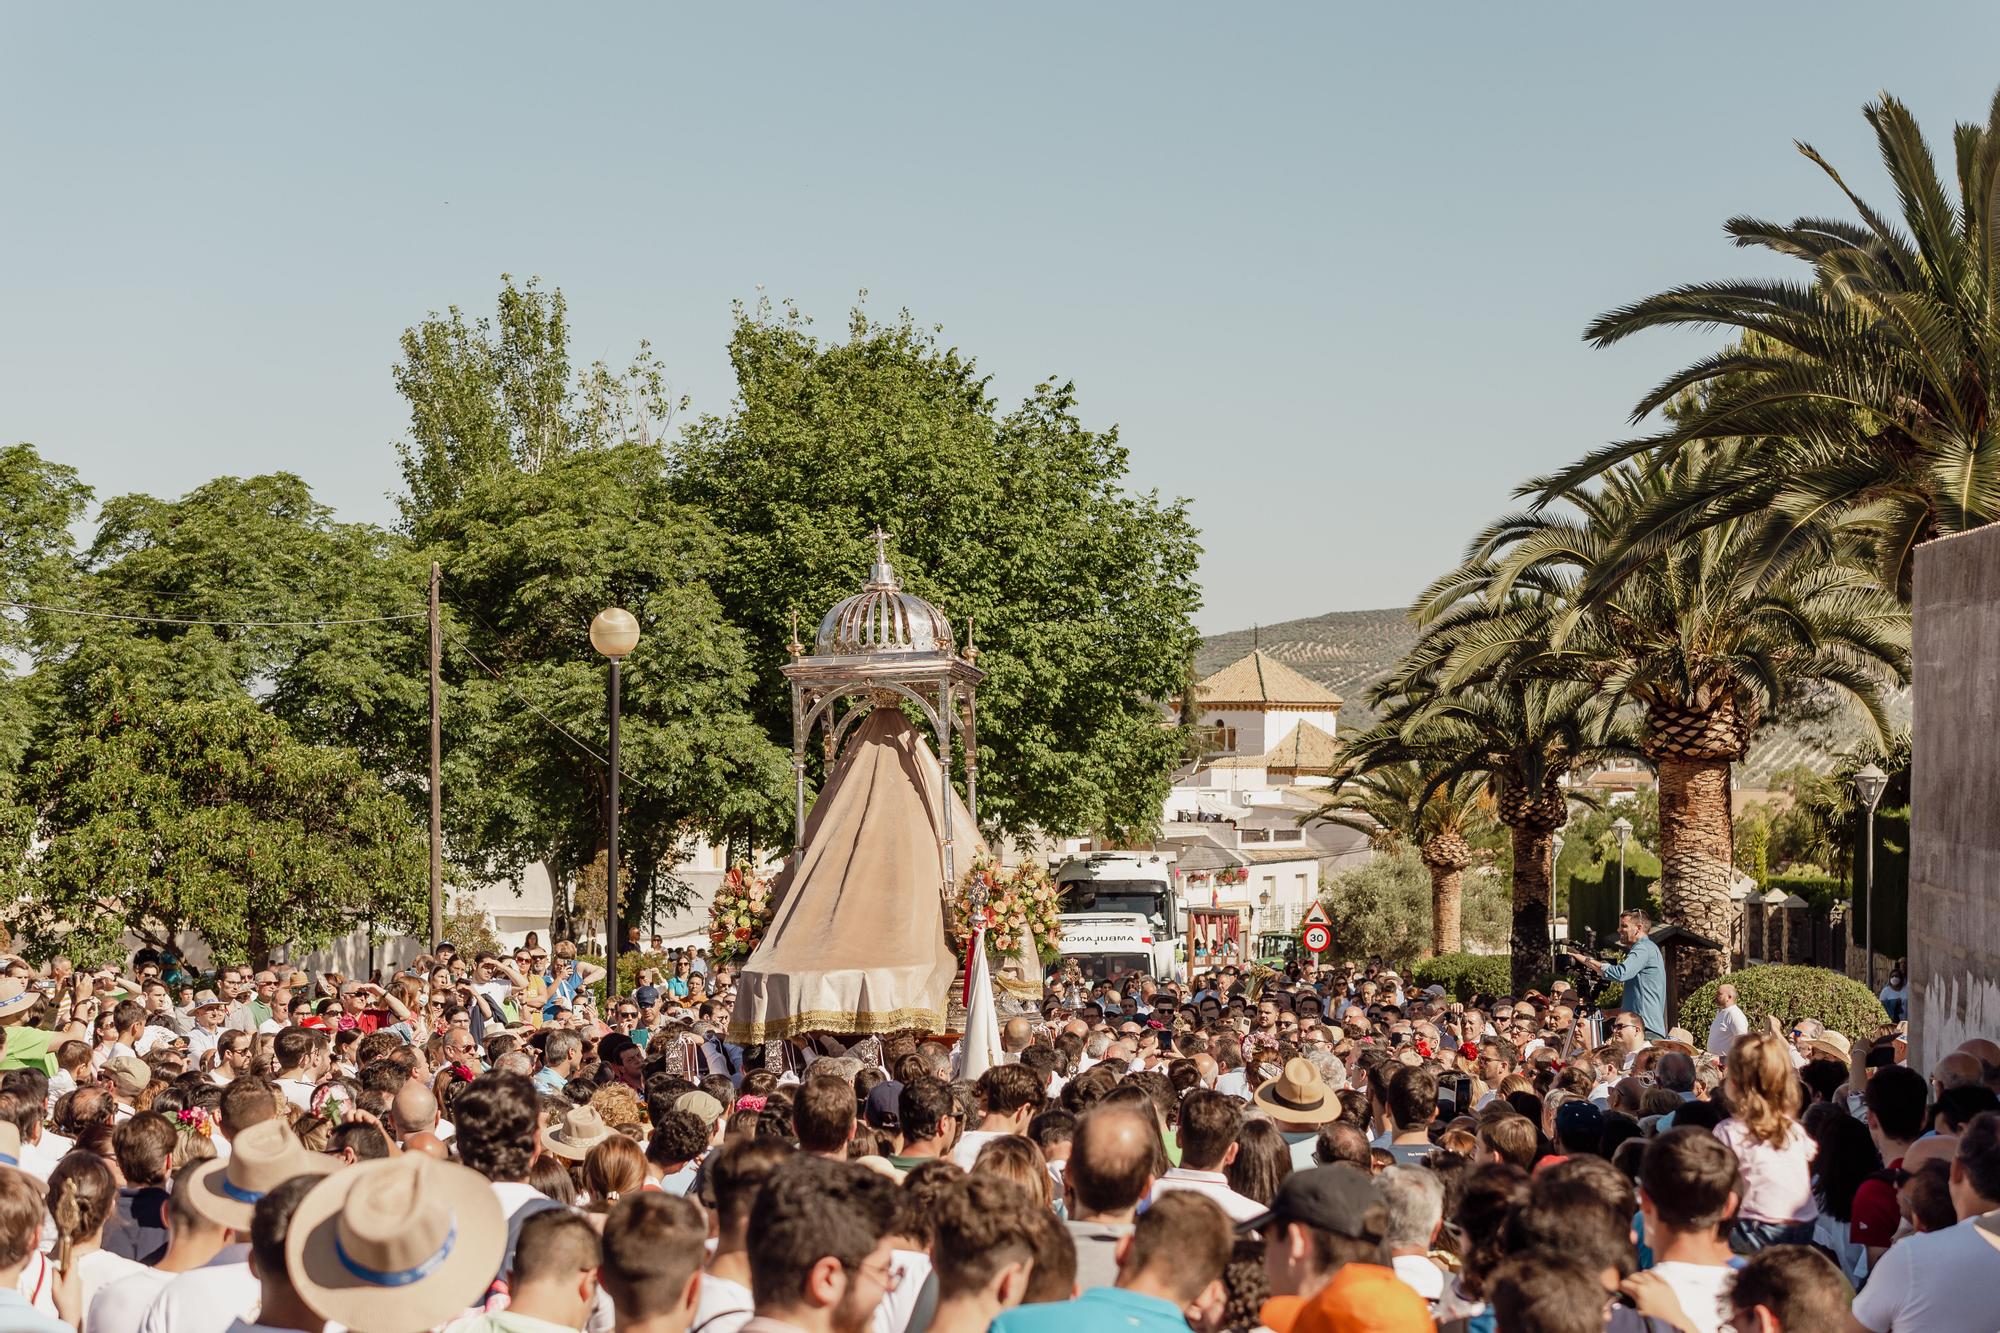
(615, 633)
(1555, 859)
(1623, 828)
(1868, 786)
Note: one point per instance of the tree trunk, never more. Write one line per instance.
(1696, 859)
(1533, 959)
(1446, 856)
(561, 924)
(1447, 904)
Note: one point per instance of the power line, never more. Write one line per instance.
(226, 624)
(522, 699)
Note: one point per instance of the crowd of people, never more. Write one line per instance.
(468, 1144)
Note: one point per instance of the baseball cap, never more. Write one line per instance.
(882, 1111)
(700, 1104)
(129, 1074)
(1579, 1118)
(1327, 1198)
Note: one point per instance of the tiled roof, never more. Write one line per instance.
(1262, 679)
(1304, 749)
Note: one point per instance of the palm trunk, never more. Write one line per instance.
(1447, 908)
(1533, 959)
(1695, 859)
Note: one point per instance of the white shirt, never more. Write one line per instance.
(1930, 1283)
(1235, 1083)
(1240, 1207)
(514, 1195)
(1729, 1024)
(201, 1042)
(893, 1314)
(40, 1158)
(100, 1269)
(969, 1144)
(721, 1306)
(1420, 1275)
(297, 1091)
(208, 1299)
(121, 1305)
(1700, 1288)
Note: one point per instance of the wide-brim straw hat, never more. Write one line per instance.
(581, 1130)
(1298, 1096)
(16, 999)
(225, 1191)
(1833, 1045)
(399, 1245)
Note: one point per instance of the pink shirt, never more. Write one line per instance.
(1777, 1182)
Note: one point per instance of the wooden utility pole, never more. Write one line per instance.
(437, 790)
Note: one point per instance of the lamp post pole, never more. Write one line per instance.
(614, 633)
(1555, 859)
(1623, 828)
(1868, 786)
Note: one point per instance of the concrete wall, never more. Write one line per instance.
(1955, 796)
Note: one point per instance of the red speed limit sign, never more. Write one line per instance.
(1317, 938)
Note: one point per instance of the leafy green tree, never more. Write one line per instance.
(1867, 388)
(1705, 653)
(40, 502)
(1385, 907)
(1083, 593)
(1398, 805)
(529, 558)
(163, 816)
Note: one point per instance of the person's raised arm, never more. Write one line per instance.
(588, 972)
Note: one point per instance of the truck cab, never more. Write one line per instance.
(1122, 913)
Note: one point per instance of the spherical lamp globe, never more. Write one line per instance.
(614, 632)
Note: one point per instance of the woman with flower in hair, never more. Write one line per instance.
(1761, 1089)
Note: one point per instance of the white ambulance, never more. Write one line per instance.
(1121, 914)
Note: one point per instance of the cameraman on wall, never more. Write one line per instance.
(1644, 973)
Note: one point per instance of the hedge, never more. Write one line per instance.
(1892, 883)
(1820, 892)
(1789, 993)
(1464, 975)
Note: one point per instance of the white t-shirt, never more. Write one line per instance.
(969, 1144)
(207, 1299)
(1939, 1282)
(120, 1306)
(893, 1314)
(1700, 1288)
(721, 1306)
(1728, 1025)
(1214, 1184)
(100, 1269)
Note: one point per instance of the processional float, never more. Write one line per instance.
(860, 941)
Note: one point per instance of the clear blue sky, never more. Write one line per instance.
(1325, 267)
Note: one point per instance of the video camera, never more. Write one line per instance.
(1589, 984)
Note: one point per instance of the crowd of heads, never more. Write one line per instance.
(1319, 1148)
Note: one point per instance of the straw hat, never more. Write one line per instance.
(581, 1130)
(1833, 1045)
(16, 999)
(261, 1158)
(1298, 1096)
(398, 1245)
(207, 1000)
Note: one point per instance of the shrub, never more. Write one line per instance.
(1789, 993)
(1463, 975)
(1820, 892)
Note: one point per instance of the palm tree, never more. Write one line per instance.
(1870, 388)
(1524, 735)
(1705, 651)
(1398, 804)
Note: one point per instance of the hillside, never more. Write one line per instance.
(1347, 651)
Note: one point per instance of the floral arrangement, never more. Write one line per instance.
(1020, 902)
(738, 915)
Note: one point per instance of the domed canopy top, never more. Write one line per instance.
(882, 618)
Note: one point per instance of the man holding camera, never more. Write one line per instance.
(1644, 973)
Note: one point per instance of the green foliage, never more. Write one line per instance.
(530, 557)
(39, 503)
(1891, 936)
(1463, 974)
(1789, 994)
(1820, 892)
(162, 816)
(1083, 593)
(1859, 387)
(1593, 893)
(1383, 908)
(1753, 845)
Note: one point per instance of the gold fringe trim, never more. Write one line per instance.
(838, 1022)
(1020, 990)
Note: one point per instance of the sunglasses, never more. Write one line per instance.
(628, 1014)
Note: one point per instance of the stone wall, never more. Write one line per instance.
(1955, 796)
